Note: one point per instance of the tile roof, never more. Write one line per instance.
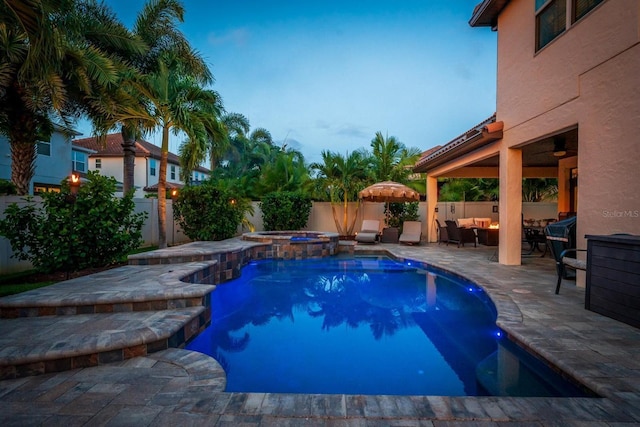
(483, 133)
(112, 147)
(169, 186)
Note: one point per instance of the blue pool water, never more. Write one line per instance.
(365, 326)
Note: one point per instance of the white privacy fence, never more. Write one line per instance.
(320, 219)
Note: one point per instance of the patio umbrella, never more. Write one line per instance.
(389, 192)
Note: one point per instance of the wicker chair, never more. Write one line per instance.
(460, 235)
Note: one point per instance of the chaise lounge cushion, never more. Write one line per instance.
(369, 232)
(411, 232)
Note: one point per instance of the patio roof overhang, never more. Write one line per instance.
(482, 134)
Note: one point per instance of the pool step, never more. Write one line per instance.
(122, 289)
(38, 345)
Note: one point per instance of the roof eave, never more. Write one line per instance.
(485, 133)
(486, 13)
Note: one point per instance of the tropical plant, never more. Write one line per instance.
(285, 210)
(392, 160)
(71, 232)
(180, 104)
(539, 189)
(398, 213)
(286, 171)
(206, 212)
(57, 61)
(341, 178)
(468, 189)
(242, 163)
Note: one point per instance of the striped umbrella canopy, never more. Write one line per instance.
(389, 191)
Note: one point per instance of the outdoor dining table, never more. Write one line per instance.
(535, 236)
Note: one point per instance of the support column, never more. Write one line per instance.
(510, 244)
(432, 201)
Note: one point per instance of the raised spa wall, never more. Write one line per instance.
(296, 244)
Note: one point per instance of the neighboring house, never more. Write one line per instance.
(568, 100)
(107, 158)
(53, 161)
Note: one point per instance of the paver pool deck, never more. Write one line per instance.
(173, 386)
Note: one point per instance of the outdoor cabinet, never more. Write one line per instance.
(613, 277)
(390, 235)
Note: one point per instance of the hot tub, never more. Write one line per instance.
(297, 244)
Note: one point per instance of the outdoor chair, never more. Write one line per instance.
(560, 239)
(460, 235)
(443, 236)
(411, 232)
(370, 232)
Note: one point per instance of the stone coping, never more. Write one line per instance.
(60, 343)
(127, 288)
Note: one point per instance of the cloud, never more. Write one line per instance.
(352, 131)
(237, 36)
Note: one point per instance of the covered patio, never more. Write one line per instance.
(480, 153)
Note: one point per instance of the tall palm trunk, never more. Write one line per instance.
(23, 165)
(23, 140)
(162, 190)
(129, 159)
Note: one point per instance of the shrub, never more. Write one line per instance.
(208, 213)
(6, 187)
(401, 212)
(71, 232)
(285, 211)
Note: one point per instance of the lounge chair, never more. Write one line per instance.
(411, 232)
(460, 235)
(370, 231)
(443, 236)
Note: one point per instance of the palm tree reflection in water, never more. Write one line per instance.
(278, 307)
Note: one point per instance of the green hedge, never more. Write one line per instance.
(207, 213)
(285, 211)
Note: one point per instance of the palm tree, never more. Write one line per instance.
(242, 163)
(342, 178)
(180, 104)
(156, 26)
(56, 61)
(392, 159)
(285, 172)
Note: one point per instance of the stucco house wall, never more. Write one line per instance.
(51, 169)
(586, 78)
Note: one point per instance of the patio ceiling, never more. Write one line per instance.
(540, 153)
(537, 154)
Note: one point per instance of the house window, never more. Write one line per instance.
(582, 7)
(98, 163)
(152, 167)
(44, 148)
(79, 161)
(173, 172)
(551, 21)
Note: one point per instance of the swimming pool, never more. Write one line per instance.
(365, 325)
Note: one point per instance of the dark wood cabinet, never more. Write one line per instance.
(613, 277)
(390, 235)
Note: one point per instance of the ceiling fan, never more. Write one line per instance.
(560, 147)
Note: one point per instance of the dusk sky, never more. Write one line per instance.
(327, 75)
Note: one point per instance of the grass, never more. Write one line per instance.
(23, 281)
(6, 290)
